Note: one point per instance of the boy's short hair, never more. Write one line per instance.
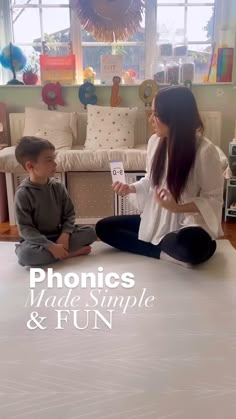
(30, 148)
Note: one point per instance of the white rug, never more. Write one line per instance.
(174, 360)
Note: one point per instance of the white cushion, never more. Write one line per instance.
(60, 139)
(79, 159)
(110, 128)
(98, 160)
(38, 119)
(8, 162)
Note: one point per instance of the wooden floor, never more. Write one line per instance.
(8, 233)
(229, 229)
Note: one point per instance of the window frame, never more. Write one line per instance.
(40, 6)
(186, 5)
(150, 43)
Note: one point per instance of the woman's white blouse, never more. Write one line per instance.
(204, 187)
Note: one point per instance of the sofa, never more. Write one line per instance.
(86, 171)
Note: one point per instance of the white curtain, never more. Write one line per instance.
(225, 19)
(151, 38)
(5, 34)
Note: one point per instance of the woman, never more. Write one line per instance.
(181, 196)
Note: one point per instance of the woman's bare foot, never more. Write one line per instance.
(83, 251)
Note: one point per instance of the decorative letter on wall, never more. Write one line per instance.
(147, 91)
(87, 94)
(52, 96)
(115, 98)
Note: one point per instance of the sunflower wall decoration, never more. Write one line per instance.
(110, 20)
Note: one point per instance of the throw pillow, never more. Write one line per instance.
(38, 119)
(110, 128)
(62, 140)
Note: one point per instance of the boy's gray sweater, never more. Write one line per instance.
(43, 210)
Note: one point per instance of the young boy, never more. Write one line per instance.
(44, 212)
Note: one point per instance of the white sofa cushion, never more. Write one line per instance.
(8, 162)
(110, 128)
(98, 160)
(39, 120)
(79, 159)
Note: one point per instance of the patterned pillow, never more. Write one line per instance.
(110, 127)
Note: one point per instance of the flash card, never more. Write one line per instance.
(117, 171)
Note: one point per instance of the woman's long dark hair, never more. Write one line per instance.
(176, 107)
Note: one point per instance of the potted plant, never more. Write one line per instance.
(30, 76)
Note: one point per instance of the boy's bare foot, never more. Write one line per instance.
(84, 250)
(80, 252)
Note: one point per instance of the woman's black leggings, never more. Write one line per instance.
(192, 245)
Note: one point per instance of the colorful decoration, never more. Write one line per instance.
(13, 58)
(115, 98)
(57, 69)
(213, 67)
(52, 95)
(89, 74)
(110, 20)
(129, 76)
(30, 76)
(147, 91)
(111, 66)
(87, 94)
(225, 65)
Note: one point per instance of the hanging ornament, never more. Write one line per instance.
(147, 91)
(110, 20)
(87, 94)
(115, 98)
(52, 96)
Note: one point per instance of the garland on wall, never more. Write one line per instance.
(110, 20)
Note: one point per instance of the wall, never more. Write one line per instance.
(211, 97)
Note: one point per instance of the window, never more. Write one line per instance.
(133, 52)
(45, 20)
(189, 22)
